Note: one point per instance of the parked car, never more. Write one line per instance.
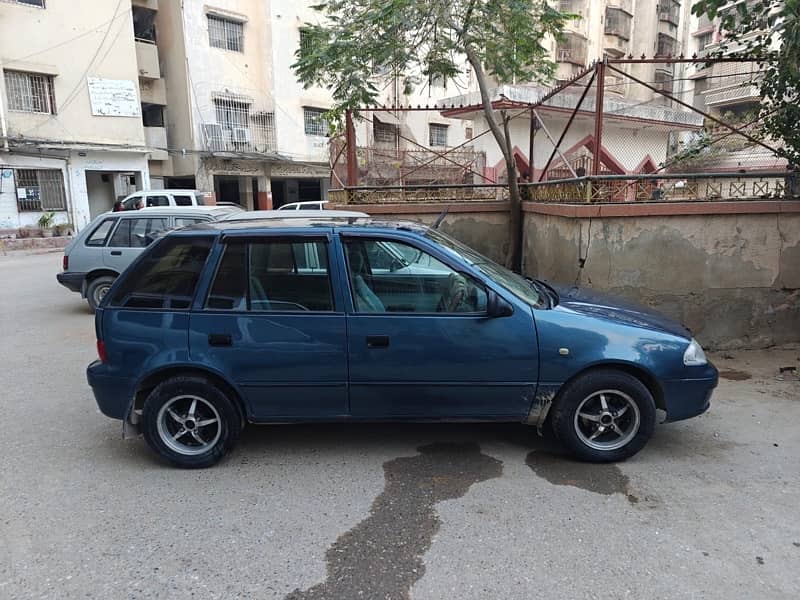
(153, 198)
(295, 214)
(309, 205)
(105, 247)
(283, 321)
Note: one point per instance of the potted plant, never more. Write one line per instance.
(45, 222)
(63, 229)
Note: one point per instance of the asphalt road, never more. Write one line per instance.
(710, 509)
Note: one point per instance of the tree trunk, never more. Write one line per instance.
(513, 258)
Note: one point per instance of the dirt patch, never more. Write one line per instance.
(734, 374)
(381, 557)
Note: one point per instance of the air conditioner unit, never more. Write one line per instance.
(241, 135)
(215, 137)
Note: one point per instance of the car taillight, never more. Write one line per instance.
(101, 350)
(65, 263)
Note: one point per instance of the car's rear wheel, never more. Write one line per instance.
(190, 422)
(97, 290)
(604, 416)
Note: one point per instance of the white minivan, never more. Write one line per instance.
(152, 198)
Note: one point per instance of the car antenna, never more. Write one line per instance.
(440, 218)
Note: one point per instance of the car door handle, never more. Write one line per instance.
(219, 339)
(377, 341)
(116, 253)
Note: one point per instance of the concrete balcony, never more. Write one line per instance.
(151, 4)
(731, 95)
(153, 91)
(147, 60)
(156, 140)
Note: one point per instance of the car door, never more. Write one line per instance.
(131, 236)
(421, 343)
(273, 325)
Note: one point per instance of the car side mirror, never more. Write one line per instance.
(497, 306)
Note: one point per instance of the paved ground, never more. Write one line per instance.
(710, 509)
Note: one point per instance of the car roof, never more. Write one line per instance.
(175, 210)
(295, 214)
(170, 191)
(257, 225)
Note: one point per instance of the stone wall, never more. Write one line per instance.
(733, 279)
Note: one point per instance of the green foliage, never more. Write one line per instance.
(768, 30)
(362, 43)
(46, 220)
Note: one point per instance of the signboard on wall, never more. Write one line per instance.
(114, 98)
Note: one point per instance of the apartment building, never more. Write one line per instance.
(71, 135)
(618, 28)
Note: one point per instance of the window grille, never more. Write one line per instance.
(43, 189)
(306, 42)
(225, 34)
(314, 122)
(437, 134)
(572, 49)
(667, 46)
(618, 23)
(669, 11)
(30, 92)
(384, 133)
(239, 128)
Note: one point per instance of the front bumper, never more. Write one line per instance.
(112, 393)
(686, 398)
(72, 281)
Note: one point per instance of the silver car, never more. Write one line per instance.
(105, 247)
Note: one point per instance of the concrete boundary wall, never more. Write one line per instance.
(729, 270)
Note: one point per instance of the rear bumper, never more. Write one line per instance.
(72, 281)
(113, 394)
(686, 398)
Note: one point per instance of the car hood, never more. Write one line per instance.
(604, 306)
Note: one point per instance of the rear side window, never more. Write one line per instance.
(157, 201)
(185, 221)
(167, 276)
(99, 236)
(182, 200)
(137, 233)
(278, 275)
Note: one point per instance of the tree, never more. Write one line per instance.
(416, 40)
(768, 30)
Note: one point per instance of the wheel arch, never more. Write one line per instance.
(634, 370)
(150, 381)
(94, 274)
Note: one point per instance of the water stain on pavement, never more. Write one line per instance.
(604, 479)
(734, 374)
(381, 557)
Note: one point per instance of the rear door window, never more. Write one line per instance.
(99, 236)
(157, 200)
(186, 221)
(182, 200)
(167, 276)
(138, 232)
(273, 275)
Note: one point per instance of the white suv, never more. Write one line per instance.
(151, 198)
(310, 205)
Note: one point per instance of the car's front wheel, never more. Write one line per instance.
(604, 416)
(190, 422)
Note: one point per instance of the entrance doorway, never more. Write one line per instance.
(103, 188)
(227, 189)
(285, 191)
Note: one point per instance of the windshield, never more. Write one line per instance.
(514, 283)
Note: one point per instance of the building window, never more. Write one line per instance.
(572, 49)
(30, 92)
(144, 26)
(618, 23)
(667, 45)
(40, 189)
(225, 34)
(239, 127)
(306, 42)
(437, 134)
(152, 115)
(314, 122)
(670, 11)
(704, 40)
(384, 133)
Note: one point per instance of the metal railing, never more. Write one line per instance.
(667, 187)
(419, 194)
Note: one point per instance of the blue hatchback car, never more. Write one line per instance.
(351, 319)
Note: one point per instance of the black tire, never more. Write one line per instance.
(97, 289)
(186, 451)
(601, 396)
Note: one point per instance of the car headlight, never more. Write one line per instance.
(694, 355)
